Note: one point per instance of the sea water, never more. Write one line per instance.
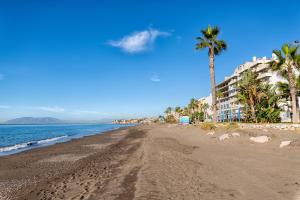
(17, 138)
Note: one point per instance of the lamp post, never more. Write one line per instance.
(230, 112)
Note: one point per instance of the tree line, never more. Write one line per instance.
(197, 110)
(261, 102)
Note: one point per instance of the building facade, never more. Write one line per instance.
(208, 112)
(228, 108)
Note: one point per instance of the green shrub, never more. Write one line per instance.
(171, 119)
(197, 117)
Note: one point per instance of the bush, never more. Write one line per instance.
(156, 120)
(171, 119)
(197, 117)
(208, 126)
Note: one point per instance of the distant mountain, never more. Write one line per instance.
(34, 120)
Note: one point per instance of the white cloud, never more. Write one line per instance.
(54, 109)
(2, 76)
(138, 41)
(155, 78)
(5, 107)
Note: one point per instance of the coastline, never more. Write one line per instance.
(30, 169)
(157, 162)
(29, 145)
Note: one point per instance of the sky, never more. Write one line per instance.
(101, 60)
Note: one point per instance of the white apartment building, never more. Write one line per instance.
(227, 92)
(208, 100)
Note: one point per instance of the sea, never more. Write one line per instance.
(17, 138)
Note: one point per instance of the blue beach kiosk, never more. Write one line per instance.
(185, 120)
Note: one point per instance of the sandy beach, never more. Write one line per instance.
(158, 162)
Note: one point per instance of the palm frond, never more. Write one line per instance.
(285, 49)
(219, 46)
(202, 45)
(215, 30)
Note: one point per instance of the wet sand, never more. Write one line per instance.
(157, 162)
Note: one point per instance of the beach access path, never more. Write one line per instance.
(158, 162)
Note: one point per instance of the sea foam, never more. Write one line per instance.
(32, 143)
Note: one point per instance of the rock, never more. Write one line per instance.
(235, 134)
(210, 133)
(260, 139)
(285, 143)
(224, 137)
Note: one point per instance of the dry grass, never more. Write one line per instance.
(232, 125)
(208, 126)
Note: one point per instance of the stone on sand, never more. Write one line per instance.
(235, 134)
(260, 139)
(285, 143)
(210, 133)
(224, 137)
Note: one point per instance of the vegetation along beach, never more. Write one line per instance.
(150, 100)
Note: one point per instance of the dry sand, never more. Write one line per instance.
(158, 162)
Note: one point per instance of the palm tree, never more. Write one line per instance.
(268, 109)
(193, 105)
(250, 91)
(168, 111)
(287, 60)
(205, 107)
(284, 90)
(215, 47)
(178, 110)
(185, 111)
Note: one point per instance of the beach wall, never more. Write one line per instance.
(279, 126)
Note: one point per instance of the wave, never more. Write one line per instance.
(51, 139)
(29, 144)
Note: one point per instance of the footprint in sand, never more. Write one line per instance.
(297, 196)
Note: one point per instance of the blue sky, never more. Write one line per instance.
(94, 60)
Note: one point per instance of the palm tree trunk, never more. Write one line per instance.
(295, 111)
(213, 82)
(252, 107)
(253, 114)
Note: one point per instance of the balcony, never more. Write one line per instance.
(264, 75)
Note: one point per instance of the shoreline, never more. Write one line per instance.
(21, 172)
(27, 146)
(158, 162)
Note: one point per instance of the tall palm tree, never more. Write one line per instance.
(208, 40)
(287, 60)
